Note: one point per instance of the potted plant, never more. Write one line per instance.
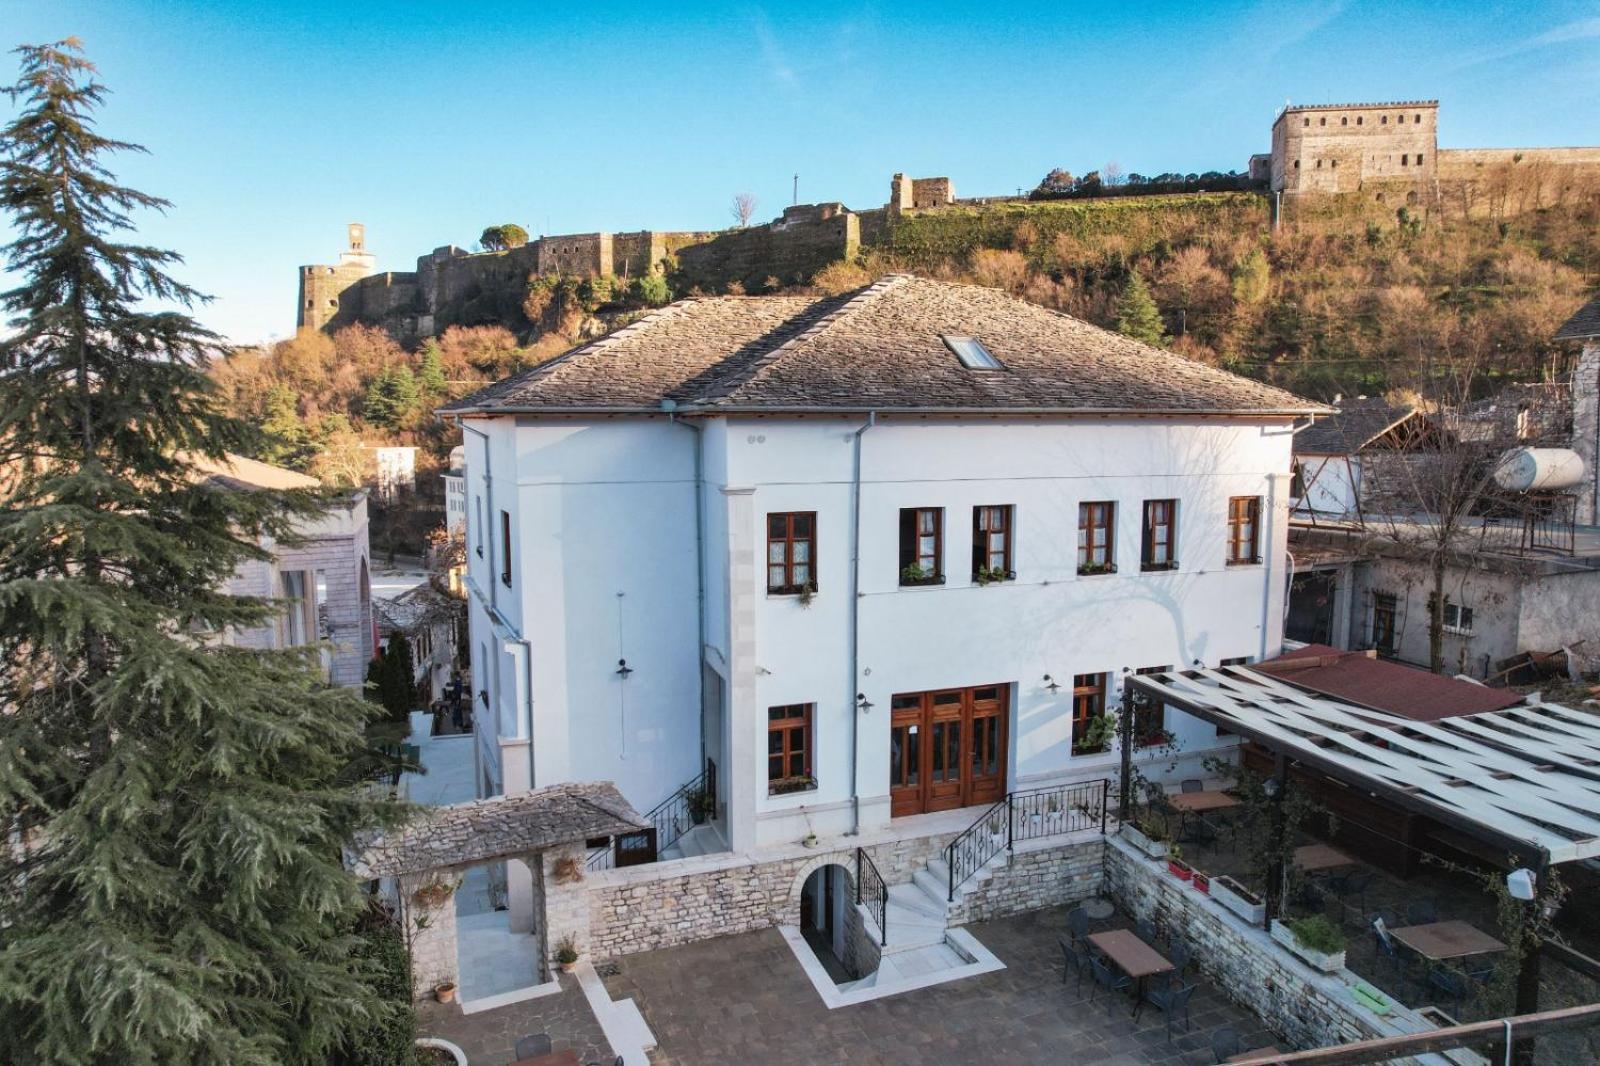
(1176, 866)
(989, 575)
(1235, 897)
(1088, 569)
(1096, 735)
(700, 804)
(791, 784)
(566, 871)
(445, 991)
(808, 592)
(435, 893)
(1315, 940)
(809, 840)
(566, 954)
(1147, 838)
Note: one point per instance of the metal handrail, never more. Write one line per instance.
(1028, 815)
(873, 891)
(671, 818)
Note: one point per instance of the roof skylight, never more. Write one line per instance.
(973, 355)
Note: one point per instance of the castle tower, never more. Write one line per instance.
(1386, 149)
(327, 296)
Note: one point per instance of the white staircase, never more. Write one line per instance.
(701, 840)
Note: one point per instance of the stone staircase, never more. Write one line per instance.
(701, 840)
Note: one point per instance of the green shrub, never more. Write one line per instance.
(386, 1040)
(1318, 934)
(651, 290)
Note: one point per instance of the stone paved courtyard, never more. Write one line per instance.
(490, 1037)
(743, 999)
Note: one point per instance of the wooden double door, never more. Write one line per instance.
(947, 749)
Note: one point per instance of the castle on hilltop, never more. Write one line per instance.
(1385, 152)
(1391, 152)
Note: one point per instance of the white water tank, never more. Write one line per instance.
(1539, 469)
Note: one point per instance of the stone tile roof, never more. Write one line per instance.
(1586, 323)
(500, 826)
(1356, 424)
(413, 608)
(879, 348)
(246, 475)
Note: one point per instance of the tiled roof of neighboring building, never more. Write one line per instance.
(1586, 323)
(1356, 424)
(237, 472)
(879, 348)
(1362, 678)
(412, 608)
(500, 826)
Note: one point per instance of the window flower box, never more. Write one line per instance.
(1240, 900)
(1091, 569)
(786, 785)
(1201, 883)
(1293, 938)
(1178, 868)
(1150, 846)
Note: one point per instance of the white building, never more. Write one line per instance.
(323, 579)
(870, 556)
(455, 492)
(1335, 459)
(396, 465)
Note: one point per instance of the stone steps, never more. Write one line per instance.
(701, 840)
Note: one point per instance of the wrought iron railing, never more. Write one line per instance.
(1025, 815)
(690, 805)
(873, 892)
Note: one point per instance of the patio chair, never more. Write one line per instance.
(1226, 1043)
(1180, 957)
(1192, 784)
(1393, 951)
(1172, 997)
(1449, 983)
(1197, 830)
(1106, 979)
(1078, 922)
(1354, 886)
(1146, 929)
(1074, 960)
(1421, 912)
(537, 1044)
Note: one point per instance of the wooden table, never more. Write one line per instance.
(1132, 956)
(1260, 1054)
(1446, 940)
(1312, 857)
(1202, 801)
(564, 1057)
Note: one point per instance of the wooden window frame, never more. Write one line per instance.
(982, 531)
(1083, 686)
(1147, 561)
(800, 718)
(1241, 508)
(791, 587)
(1389, 604)
(505, 548)
(1087, 509)
(1143, 735)
(910, 545)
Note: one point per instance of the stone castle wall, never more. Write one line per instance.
(1343, 148)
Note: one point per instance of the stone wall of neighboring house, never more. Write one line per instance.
(862, 951)
(430, 931)
(1309, 1008)
(1586, 429)
(1035, 877)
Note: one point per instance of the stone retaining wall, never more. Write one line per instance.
(862, 952)
(1308, 1008)
(1034, 878)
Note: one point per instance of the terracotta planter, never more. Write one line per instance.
(1180, 869)
(568, 967)
(1202, 883)
(446, 992)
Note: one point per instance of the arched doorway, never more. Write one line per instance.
(827, 901)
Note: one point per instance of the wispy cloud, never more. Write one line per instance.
(1584, 29)
(790, 75)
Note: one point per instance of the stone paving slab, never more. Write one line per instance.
(743, 999)
(489, 1038)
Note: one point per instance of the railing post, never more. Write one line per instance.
(1011, 820)
(858, 878)
(1105, 789)
(950, 869)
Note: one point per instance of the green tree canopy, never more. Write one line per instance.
(288, 440)
(502, 237)
(392, 398)
(430, 371)
(179, 895)
(1137, 314)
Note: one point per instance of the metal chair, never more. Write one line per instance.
(1171, 998)
(1180, 957)
(1389, 949)
(1078, 923)
(1421, 912)
(1225, 1044)
(1146, 929)
(1449, 983)
(1192, 784)
(1074, 960)
(1106, 979)
(537, 1044)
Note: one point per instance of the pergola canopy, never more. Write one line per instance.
(1526, 778)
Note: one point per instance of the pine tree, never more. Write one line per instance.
(288, 441)
(430, 373)
(391, 398)
(180, 895)
(1137, 314)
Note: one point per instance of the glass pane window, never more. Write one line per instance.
(789, 745)
(921, 545)
(973, 355)
(991, 540)
(791, 552)
(1160, 534)
(1244, 521)
(1095, 536)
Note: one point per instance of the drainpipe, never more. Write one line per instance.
(670, 407)
(1268, 532)
(855, 621)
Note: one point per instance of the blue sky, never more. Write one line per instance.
(271, 124)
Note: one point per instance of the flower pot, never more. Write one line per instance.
(568, 967)
(1201, 882)
(1317, 960)
(1179, 869)
(1155, 849)
(1234, 897)
(445, 992)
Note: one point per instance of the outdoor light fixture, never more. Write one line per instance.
(623, 669)
(1521, 883)
(862, 703)
(1050, 683)
(1271, 787)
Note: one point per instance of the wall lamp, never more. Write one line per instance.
(1050, 683)
(623, 669)
(862, 703)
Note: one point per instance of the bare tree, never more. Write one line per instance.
(1112, 174)
(744, 208)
